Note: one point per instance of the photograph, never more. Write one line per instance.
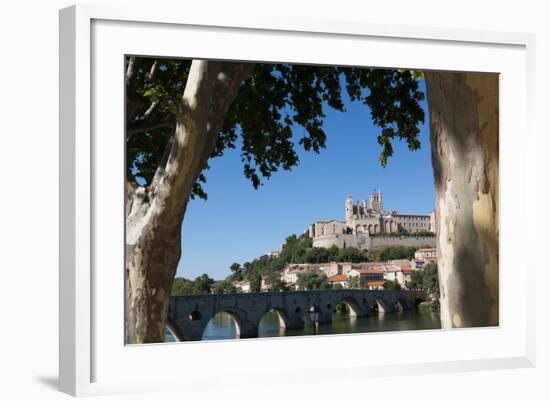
(281, 199)
(300, 200)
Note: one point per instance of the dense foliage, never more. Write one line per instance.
(392, 285)
(276, 102)
(312, 280)
(201, 285)
(225, 287)
(392, 252)
(354, 282)
(427, 279)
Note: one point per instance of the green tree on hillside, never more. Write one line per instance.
(392, 285)
(316, 255)
(312, 280)
(427, 279)
(392, 252)
(352, 255)
(273, 279)
(182, 286)
(236, 272)
(354, 282)
(225, 287)
(255, 279)
(203, 284)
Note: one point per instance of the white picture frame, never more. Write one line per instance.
(93, 39)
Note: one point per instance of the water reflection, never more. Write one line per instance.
(223, 325)
(271, 325)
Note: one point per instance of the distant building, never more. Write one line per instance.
(291, 271)
(274, 254)
(424, 256)
(375, 285)
(264, 286)
(364, 224)
(370, 274)
(243, 286)
(341, 279)
(369, 278)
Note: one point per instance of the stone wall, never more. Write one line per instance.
(403, 241)
(342, 241)
(366, 242)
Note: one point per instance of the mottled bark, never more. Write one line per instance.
(155, 213)
(464, 137)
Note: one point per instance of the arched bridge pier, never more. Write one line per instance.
(188, 315)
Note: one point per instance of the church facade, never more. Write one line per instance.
(367, 225)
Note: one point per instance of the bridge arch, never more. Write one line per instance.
(401, 304)
(279, 313)
(233, 331)
(272, 323)
(381, 304)
(351, 305)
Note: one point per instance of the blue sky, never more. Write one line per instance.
(238, 223)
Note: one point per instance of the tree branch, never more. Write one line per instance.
(133, 102)
(149, 110)
(172, 185)
(130, 70)
(145, 125)
(153, 71)
(225, 91)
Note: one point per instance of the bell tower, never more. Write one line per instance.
(376, 202)
(349, 209)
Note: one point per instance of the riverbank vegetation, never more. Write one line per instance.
(427, 279)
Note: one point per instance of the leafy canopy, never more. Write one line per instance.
(276, 103)
(312, 280)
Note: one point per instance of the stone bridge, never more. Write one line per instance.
(188, 315)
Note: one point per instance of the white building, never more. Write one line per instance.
(424, 256)
(243, 286)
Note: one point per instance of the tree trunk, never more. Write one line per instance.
(463, 110)
(155, 214)
(151, 263)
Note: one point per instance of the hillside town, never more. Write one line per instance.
(343, 275)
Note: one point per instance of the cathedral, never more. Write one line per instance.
(364, 221)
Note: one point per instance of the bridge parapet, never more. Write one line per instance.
(188, 315)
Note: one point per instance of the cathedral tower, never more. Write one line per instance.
(376, 202)
(349, 208)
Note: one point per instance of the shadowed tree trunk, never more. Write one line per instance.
(155, 213)
(463, 111)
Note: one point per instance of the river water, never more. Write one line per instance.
(222, 326)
